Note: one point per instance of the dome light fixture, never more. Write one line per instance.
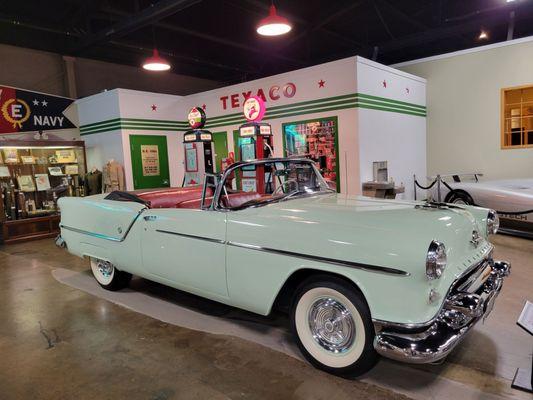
(483, 35)
(156, 63)
(274, 24)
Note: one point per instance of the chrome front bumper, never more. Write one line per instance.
(469, 300)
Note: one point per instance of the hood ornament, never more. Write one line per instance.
(435, 205)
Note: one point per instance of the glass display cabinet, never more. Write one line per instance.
(33, 175)
(315, 139)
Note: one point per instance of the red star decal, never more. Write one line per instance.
(204, 106)
(407, 90)
(384, 84)
(321, 83)
(154, 107)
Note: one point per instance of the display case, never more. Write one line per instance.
(315, 139)
(33, 175)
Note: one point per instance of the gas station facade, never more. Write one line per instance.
(340, 114)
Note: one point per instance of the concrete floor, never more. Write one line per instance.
(58, 342)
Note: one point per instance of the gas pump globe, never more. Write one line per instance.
(198, 148)
(255, 143)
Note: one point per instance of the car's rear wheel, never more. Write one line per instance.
(459, 197)
(331, 322)
(108, 276)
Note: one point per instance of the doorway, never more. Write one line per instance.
(149, 161)
(220, 140)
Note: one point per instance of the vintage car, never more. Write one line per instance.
(360, 277)
(511, 198)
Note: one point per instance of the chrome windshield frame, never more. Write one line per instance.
(215, 204)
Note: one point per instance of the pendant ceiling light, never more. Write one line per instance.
(273, 25)
(156, 63)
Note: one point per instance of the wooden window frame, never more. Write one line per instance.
(503, 91)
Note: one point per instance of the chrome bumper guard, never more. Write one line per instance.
(468, 302)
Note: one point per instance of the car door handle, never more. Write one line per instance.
(150, 217)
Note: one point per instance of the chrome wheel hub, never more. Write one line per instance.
(105, 268)
(331, 325)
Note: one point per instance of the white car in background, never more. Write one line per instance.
(511, 198)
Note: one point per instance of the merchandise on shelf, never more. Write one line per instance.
(33, 175)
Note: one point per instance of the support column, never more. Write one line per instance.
(70, 77)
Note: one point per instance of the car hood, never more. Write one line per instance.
(371, 231)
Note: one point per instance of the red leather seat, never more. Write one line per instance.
(171, 197)
(233, 200)
(195, 204)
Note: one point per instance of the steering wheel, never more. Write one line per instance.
(288, 183)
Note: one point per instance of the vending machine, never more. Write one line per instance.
(198, 149)
(255, 142)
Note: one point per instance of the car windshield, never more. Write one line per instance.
(262, 182)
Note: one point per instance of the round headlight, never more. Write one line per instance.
(435, 260)
(493, 222)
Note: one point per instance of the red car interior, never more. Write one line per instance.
(191, 197)
(171, 197)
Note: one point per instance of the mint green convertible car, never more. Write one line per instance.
(360, 277)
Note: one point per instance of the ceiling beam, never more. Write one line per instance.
(262, 5)
(147, 16)
(396, 12)
(131, 48)
(322, 22)
(447, 31)
(383, 22)
(211, 38)
(183, 57)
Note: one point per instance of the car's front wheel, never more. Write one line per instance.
(333, 328)
(108, 276)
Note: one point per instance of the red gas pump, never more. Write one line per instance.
(255, 143)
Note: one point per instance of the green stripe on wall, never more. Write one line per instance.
(357, 100)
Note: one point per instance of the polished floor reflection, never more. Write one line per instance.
(59, 342)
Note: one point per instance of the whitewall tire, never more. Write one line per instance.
(333, 328)
(108, 276)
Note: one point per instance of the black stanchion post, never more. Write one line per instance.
(438, 189)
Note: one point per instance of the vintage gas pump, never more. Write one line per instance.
(255, 142)
(198, 147)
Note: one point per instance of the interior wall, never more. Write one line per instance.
(46, 72)
(98, 155)
(463, 123)
(62, 134)
(94, 76)
(32, 70)
(392, 136)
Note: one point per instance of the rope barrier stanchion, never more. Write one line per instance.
(447, 186)
(440, 181)
(425, 187)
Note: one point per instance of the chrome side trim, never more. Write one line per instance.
(102, 236)
(342, 263)
(218, 241)
(93, 234)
